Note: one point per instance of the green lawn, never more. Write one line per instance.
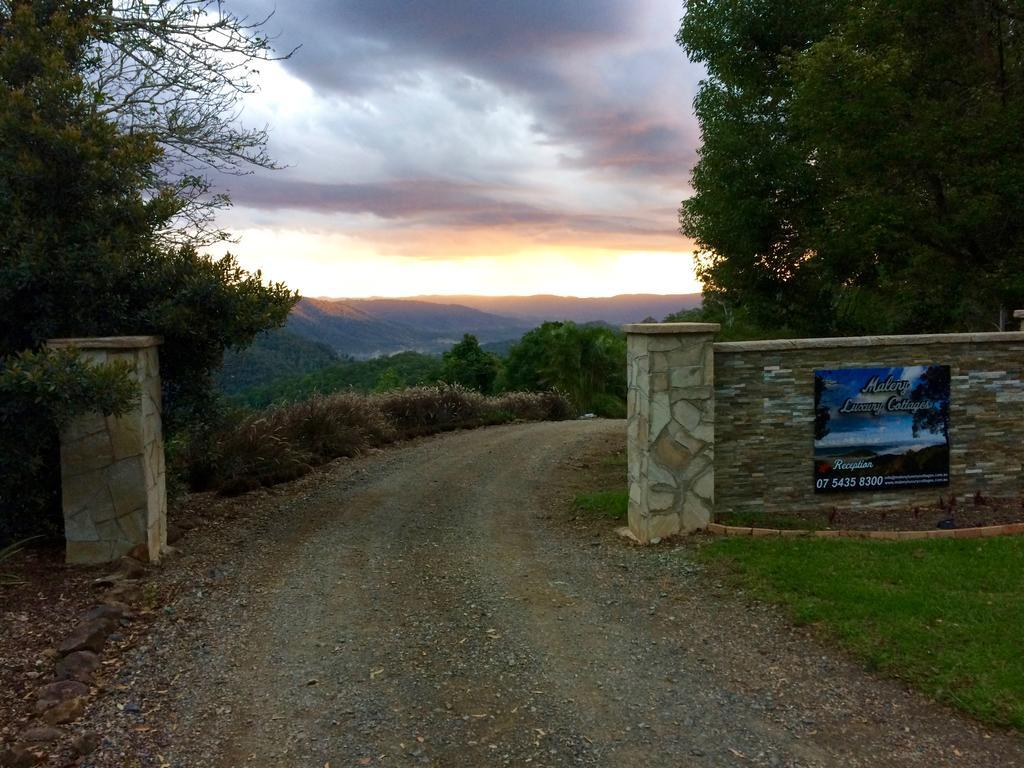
(946, 615)
(609, 504)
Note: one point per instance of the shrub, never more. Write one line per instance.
(536, 406)
(422, 410)
(285, 441)
(334, 425)
(39, 393)
(609, 407)
(256, 452)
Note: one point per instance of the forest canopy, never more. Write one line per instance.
(862, 167)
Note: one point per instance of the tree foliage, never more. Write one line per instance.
(862, 167)
(469, 365)
(85, 208)
(39, 393)
(587, 363)
(379, 374)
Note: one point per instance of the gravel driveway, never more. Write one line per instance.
(431, 606)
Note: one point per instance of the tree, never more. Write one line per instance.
(469, 365)
(83, 217)
(587, 363)
(862, 163)
(177, 70)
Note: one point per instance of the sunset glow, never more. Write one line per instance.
(546, 151)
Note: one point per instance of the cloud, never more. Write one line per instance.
(454, 127)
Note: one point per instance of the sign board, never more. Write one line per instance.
(881, 428)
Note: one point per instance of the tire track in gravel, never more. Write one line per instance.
(429, 615)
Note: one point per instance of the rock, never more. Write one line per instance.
(126, 610)
(79, 665)
(41, 734)
(85, 743)
(132, 568)
(174, 533)
(17, 757)
(124, 592)
(112, 611)
(66, 711)
(52, 694)
(132, 708)
(107, 581)
(87, 636)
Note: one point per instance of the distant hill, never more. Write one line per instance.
(614, 310)
(271, 355)
(366, 328)
(321, 332)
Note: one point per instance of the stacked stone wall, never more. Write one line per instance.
(670, 431)
(764, 418)
(112, 469)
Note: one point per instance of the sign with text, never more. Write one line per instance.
(881, 428)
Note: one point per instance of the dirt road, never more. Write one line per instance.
(423, 608)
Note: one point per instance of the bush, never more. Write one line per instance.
(331, 426)
(256, 452)
(39, 393)
(609, 407)
(284, 442)
(423, 410)
(536, 406)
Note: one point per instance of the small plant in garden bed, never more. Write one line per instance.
(7, 554)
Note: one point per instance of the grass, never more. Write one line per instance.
(944, 615)
(607, 504)
(767, 520)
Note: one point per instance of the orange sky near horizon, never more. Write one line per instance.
(542, 148)
(335, 265)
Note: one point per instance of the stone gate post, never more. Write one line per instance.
(1019, 315)
(671, 427)
(112, 469)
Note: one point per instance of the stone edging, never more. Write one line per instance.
(986, 531)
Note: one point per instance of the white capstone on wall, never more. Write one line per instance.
(113, 486)
(670, 427)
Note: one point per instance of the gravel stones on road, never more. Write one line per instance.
(430, 605)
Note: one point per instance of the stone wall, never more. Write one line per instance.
(764, 394)
(670, 432)
(112, 469)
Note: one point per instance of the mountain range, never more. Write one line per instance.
(364, 328)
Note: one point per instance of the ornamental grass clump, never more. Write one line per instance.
(534, 406)
(284, 442)
(332, 426)
(423, 410)
(256, 451)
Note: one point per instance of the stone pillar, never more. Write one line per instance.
(671, 432)
(112, 469)
(1019, 315)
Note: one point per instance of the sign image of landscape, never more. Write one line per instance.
(881, 428)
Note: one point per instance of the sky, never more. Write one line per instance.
(458, 147)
